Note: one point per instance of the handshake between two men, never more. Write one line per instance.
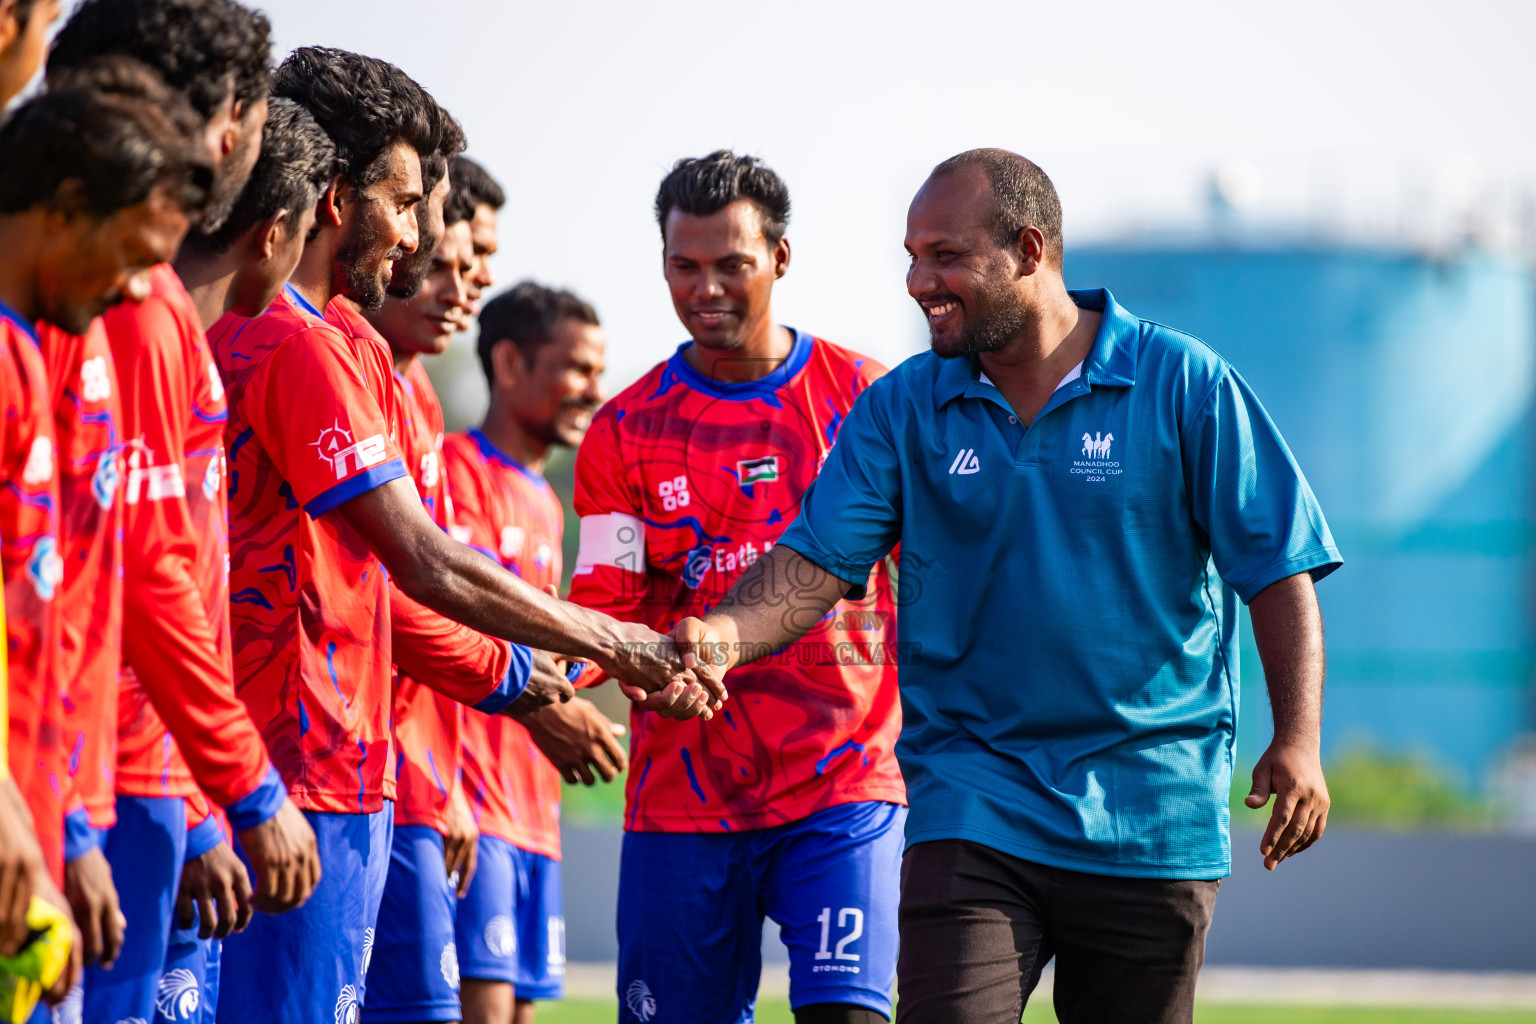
(682, 675)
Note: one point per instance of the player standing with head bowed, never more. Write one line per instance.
(323, 519)
(789, 802)
(99, 180)
(24, 28)
(177, 683)
(1070, 724)
(543, 354)
(237, 269)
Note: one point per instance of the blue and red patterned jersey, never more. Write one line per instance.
(32, 574)
(87, 418)
(176, 680)
(510, 514)
(682, 483)
(312, 424)
(438, 659)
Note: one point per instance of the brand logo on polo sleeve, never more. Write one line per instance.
(965, 463)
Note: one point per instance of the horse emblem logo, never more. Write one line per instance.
(1096, 446)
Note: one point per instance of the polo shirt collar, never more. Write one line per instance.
(1111, 361)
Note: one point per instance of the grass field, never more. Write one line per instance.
(777, 1012)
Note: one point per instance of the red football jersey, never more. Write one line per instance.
(682, 483)
(86, 418)
(32, 572)
(510, 514)
(426, 722)
(311, 425)
(175, 561)
(439, 663)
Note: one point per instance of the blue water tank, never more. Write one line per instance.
(1404, 385)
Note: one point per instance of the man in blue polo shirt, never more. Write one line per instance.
(1081, 498)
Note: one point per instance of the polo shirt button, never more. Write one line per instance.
(1013, 419)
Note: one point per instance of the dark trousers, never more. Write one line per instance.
(978, 925)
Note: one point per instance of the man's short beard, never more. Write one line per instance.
(411, 269)
(360, 278)
(991, 322)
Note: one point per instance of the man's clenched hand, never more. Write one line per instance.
(93, 897)
(547, 685)
(217, 888)
(578, 739)
(283, 853)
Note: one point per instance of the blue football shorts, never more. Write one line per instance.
(511, 925)
(146, 849)
(691, 909)
(414, 973)
(309, 964)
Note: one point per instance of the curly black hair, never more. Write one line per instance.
(526, 315)
(365, 105)
(472, 185)
(450, 143)
(114, 128)
(199, 47)
(706, 185)
(297, 162)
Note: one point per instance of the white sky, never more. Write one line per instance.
(1348, 111)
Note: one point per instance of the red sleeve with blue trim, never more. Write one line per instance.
(167, 635)
(324, 395)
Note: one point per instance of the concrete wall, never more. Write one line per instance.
(1357, 899)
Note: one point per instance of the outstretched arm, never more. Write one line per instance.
(1288, 629)
(453, 580)
(772, 605)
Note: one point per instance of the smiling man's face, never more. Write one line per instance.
(964, 281)
(381, 229)
(720, 270)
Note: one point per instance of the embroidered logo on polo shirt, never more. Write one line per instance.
(965, 463)
(1097, 445)
(1095, 467)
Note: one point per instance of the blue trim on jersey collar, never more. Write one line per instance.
(302, 302)
(744, 391)
(489, 450)
(7, 313)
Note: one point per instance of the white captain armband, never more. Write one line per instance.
(611, 539)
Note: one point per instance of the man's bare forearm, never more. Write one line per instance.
(774, 603)
(464, 585)
(1288, 631)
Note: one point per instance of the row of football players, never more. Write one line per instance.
(245, 441)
